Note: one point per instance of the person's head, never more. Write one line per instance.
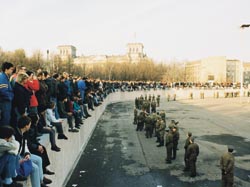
(23, 69)
(51, 105)
(40, 76)
(22, 78)
(189, 134)
(7, 68)
(230, 149)
(24, 123)
(6, 132)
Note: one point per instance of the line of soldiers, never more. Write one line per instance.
(152, 121)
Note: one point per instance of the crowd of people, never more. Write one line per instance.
(153, 122)
(33, 103)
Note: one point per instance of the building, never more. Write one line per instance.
(67, 52)
(134, 55)
(213, 69)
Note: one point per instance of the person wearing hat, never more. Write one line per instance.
(169, 145)
(187, 143)
(192, 154)
(227, 168)
(176, 137)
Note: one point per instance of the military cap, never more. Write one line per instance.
(230, 148)
(189, 133)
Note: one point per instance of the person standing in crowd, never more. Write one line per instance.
(187, 143)
(169, 145)
(227, 168)
(33, 86)
(21, 101)
(192, 154)
(6, 93)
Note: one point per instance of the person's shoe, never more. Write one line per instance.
(88, 115)
(46, 180)
(19, 178)
(193, 175)
(160, 145)
(168, 162)
(13, 184)
(73, 130)
(48, 172)
(43, 185)
(62, 136)
(173, 158)
(77, 126)
(55, 148)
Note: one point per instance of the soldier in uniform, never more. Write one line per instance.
(137, 102)
(187, 143)
(140, 121)
(149, 97)
(153, 106)
(227, 168)
(161, 131)
(158, 100)
(192, 154)
(135, 115)
(172, 124)
(163, 116)
(176, 137)
(148, 126)
(153, 97)
(169, 145)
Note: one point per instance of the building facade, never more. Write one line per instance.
(67, 52)
(214, 70)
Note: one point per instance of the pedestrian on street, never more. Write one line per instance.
(187, 143)
(227, 168)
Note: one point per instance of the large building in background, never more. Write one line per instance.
(134, 55)
(213, 69)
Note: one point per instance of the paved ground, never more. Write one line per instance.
(117, 155)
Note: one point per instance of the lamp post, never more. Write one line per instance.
(243, 26)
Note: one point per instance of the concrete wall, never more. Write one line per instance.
(63, 162)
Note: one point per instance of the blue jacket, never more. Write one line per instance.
(6, 92)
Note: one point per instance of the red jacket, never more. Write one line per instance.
(33, 86)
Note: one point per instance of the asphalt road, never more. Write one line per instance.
(117, 155)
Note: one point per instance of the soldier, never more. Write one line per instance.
(161, 129)
(137, 103)
(168, 97)
(135, 115)
(149, 97)
(163, 116)
(158, 100)
(187, 143)
(176, 137)
(192, 154)
(169, 145)
(227, 168)
(140, 121)
(148, 126)
(172, 124)
(153, 106)
(153, 97)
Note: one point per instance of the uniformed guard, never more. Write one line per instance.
(153, 106)
(140, 121)
(169, 145)
(227, 168)
(153, 97)
(176, 137)
(148, 126)
(192, 154)
(163, 116)
(158, 100)
(135, 115)
(187, 143)
(149, 97)
(161, 131)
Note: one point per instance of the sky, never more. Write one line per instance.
(169, 29)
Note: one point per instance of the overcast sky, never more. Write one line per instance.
(169, 29)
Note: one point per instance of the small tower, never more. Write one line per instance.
(67, 51)
(135, 51)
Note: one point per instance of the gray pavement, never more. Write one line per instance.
(117, 155)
